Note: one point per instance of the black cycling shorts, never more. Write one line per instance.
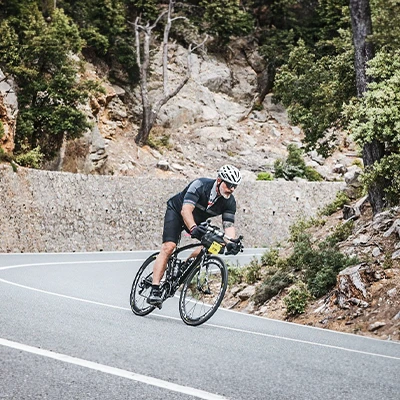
(173, 226)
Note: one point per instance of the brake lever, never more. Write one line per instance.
(238, 240)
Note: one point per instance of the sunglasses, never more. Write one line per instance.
(230, 185)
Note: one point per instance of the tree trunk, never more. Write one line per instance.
(363, 52)
(147, 123)
(148, 119)
(363, 49)
(150, 111)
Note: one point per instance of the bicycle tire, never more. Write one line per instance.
(141, 288)
(196, 306)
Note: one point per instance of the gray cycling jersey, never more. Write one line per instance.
(202, 194)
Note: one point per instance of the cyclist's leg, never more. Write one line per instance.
(193, 255)
(155, 297)
(171, 236)
(160, 264)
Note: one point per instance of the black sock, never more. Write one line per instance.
(155, 287)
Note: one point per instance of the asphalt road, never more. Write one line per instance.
(67, 332)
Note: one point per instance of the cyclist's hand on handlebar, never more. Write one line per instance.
(198, 231)
(233, 248)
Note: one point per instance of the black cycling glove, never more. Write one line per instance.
(198, 231)
(233, 248)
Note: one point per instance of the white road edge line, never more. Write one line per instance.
(70, 262)
(208, 324)
(201, 394)
(6, 267)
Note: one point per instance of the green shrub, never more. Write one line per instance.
(358, 163)
(264, 176)
(235, 275)
(258, 107)
(319, 265)
(341, 233)
(323, 280)
(295, 166)
(1, 130)
(272, 285)
(315, 263)
(159, 141)
(312, 175)
(31, 159)
(340, 200)
(252, 273)
(296, 300)
(298, 228)
(387, 169)
(287, 171)
(270, 257)
(225, 18)
(249, 274)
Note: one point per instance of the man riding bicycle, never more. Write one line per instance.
(201, 199)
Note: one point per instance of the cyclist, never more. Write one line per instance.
(201, 199)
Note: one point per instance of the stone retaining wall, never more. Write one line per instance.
(42, 211)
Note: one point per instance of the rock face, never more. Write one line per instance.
(8, 113)
(209, 123)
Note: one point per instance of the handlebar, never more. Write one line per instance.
(215, 230)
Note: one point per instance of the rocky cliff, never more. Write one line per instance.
(8, 112)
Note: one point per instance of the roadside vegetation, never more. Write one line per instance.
(308, 266)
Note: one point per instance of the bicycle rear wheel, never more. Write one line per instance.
(203, 291)
(141, 288)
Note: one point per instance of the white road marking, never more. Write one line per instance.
(208, 324)
(201, 394)
(71, 262)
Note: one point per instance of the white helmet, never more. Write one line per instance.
(230, 174)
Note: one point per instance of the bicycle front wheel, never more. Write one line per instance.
(141, 288)
(203, 291)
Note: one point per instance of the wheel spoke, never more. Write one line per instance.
(141, 288)
(203, 291)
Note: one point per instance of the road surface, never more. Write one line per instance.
(67, 332)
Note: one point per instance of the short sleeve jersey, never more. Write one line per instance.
(198, 194)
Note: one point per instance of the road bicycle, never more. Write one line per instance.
(203, 278)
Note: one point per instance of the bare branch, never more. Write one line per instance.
(174, 19)
(159, 18)
(199, 45)
(137, 43)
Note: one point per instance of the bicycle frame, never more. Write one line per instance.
(170, 285)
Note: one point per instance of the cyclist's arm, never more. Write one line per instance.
(187, 215)
(229, 229)
(189, 203)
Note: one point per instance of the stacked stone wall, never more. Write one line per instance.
(43, 211)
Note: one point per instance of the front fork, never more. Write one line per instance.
(202, 281)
